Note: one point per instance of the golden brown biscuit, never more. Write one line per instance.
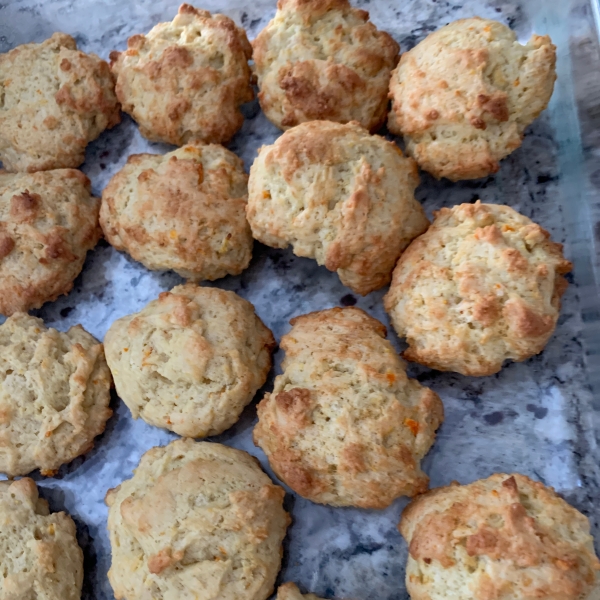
(504, 537)
(186, 80)
(338, 195)
(185, 210)
(463, 97)
(48, 222)
(481, 286)
(55, 100)
(191, 360)
(39, 553)
(54, 395)
(290, 591)
(344, 424)
(197, 520)
(323, 60)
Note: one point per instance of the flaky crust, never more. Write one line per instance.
(55, 100)
(323, 60)
(184, 210)
(339, 195)
(186, 80)
(290, 591)
(39, 553)
(499, 538)
(48, 222)
(481, 286)
(54, 395)
(191, 360)
(196, 520)
(344, 424)
(463, 97)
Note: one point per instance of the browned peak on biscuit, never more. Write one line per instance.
(184, 210)
(504, 537)
(55, 99)
(338, 195)
(197, 520)
(185, 80)
(54, 395)
(323, 60)
(344, 424)
(290, 591)
(463, 97)
(481, 286)
(39, 553)
(48, 222)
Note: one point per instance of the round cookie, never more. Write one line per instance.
(197, 519)
(48, 222)
(186, 80)
(323, 60)
(54, 395)
(191, 360)
(55, 100)
(290, 591)
(504, 537)
(481, 286)
(39, 553)
(463, 97)
(338, 195)
(184, 210)
(344, 424)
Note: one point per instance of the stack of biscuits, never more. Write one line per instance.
(344, 425)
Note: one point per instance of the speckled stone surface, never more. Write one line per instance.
(540, 417)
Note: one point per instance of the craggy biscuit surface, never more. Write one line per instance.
(505, 537)
(55, 99)
(185, 210)
(39, 554)
(463, 97)
(339, 195)
(481, 286)
(344, 424)
(48, 222)
(290, 591)
(191, 360)
(54, 395)
(185, 80)
(197, 520)
(323, 60)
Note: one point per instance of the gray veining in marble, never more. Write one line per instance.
(539, 417)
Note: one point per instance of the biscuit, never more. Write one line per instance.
(191, 360)
(323, 60)
(338, 195)
(481, 286)
(198, 519)
(463, 97)
(39, 553)
(48, 222)
(185, 210)
(344, 424)
(54, 395)
(55, 100)
(290, 591)
(504, 537)
(186, 80)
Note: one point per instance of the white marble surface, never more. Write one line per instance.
(536, 417)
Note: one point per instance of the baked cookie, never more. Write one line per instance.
(39, 553)
(463, 97)
(197, 520)
(504, 537)
(55, 100)
(481, 286)
(186, 80)
(191, 360)
(323, 60)
(185, 210)
(338, 195)
(344, 424)
(290, 591)
(54, 395)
